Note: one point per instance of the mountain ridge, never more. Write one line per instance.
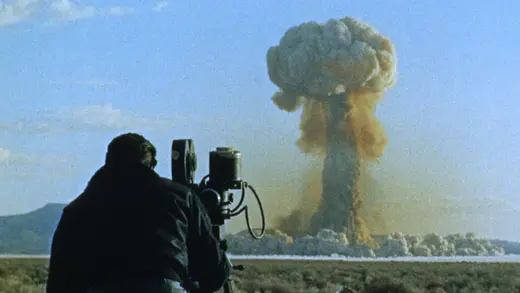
(31, 232)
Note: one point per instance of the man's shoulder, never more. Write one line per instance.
(175, 188)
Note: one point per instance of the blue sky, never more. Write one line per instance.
(73, 74)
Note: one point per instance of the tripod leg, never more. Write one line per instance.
(228, 287)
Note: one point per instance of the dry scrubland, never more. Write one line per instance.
(28, 276)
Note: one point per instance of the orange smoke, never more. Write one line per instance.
(360, 122)
(370, 139)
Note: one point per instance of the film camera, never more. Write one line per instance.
(215, 189)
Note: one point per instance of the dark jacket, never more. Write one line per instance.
(132, 223)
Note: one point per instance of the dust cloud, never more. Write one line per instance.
(337, 71)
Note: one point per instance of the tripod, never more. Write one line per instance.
(217, 201)
(228, 286)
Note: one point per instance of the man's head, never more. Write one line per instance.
(131, 149)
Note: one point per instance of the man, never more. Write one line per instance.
(134, 231)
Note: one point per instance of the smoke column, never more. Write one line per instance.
(337, 71)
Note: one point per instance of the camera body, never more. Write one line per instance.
(225, 172)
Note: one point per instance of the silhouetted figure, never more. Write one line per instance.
(134, 231)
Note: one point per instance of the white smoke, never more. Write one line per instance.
(330, 243)
(315, 59)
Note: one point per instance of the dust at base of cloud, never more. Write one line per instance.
(387, 206)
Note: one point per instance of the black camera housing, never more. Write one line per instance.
(225, 174)
(183, 161)
(225, 171)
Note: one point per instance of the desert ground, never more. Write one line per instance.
(29, 275)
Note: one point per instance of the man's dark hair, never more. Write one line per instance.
(130, 149)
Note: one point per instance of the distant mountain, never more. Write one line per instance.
(31, 233)
(510, 247)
